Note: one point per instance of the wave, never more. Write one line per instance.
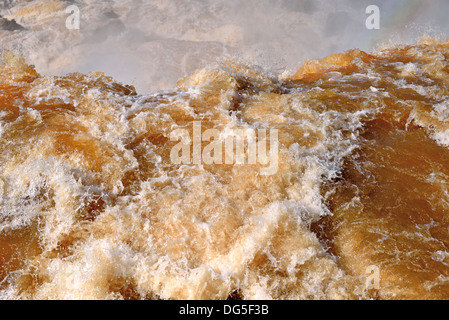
(93, 207)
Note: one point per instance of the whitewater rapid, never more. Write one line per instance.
(93, 206)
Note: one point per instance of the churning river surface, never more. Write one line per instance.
(93, 207)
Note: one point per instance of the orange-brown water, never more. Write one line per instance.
(92, 207)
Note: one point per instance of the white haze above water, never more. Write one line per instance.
(152, 44)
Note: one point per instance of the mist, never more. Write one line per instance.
(152, 44)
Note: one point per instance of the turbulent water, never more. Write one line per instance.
(92, 205)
